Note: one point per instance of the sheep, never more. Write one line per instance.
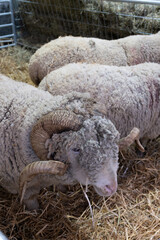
(127, 95)
(130, 50)
(49, 140)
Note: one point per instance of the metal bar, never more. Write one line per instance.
(18, 27)
(12, 18)
(99, 11)
(6, 25)
(7, 36)
(26, 46)
(152, 2)
(8, 45)
(135, 16)
(6, 40)
(4, 1)
(6, 13)
(94, 11)
(25, 1)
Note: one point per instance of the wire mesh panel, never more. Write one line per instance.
(43, 20)
(7, 25)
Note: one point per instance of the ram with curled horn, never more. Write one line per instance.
(48, 140)
(48, 125)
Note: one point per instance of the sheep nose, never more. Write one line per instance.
(111, 188)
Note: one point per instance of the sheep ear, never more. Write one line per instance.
(39, 167)
(132, 137)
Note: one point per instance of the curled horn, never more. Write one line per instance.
(128, 140)
(54, 122)
(40, 167)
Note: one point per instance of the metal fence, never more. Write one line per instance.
(43, 20)
(7, 25)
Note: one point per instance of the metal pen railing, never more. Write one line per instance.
(43, 20)
(156, 2)
(7, 24)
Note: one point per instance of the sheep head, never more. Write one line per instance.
(77, 149)
(89, 147)
(92, 152)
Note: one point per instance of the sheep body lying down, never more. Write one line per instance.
(122, 52)
(49, 140)
(129, 96)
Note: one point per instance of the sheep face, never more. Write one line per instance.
(92, 154)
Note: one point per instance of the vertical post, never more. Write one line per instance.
(12, 19)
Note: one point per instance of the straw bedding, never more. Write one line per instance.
(14, 63)
(133, 213)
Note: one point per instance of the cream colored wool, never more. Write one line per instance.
(129, 96)
(125, 51)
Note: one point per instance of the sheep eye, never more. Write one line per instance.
(77, 150)
(53, 155)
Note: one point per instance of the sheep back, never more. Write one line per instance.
(129, 95)
(126, 51)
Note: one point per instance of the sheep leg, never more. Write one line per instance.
(31, 203)
(30, 197)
